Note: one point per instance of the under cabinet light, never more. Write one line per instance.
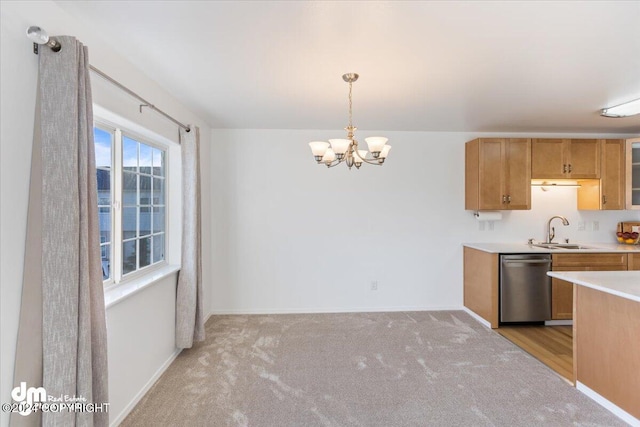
(546, 185)
(627, 109)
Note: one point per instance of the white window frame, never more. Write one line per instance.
(119, 130)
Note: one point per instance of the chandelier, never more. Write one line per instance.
(337, 151)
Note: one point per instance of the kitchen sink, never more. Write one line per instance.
(561, 246)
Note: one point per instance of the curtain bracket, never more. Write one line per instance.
(147, 105)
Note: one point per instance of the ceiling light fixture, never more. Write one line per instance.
(336, 151)
(627, 109)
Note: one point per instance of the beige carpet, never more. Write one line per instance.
(362, 369)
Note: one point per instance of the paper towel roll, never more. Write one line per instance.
(488, 216)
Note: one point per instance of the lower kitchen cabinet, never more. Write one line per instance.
(482, 276)
(562, 291)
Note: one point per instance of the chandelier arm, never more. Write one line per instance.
(365, 160)
(371, 161)
(332, 165)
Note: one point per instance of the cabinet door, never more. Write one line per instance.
(612, 172)
(517, 166)
(584, 159)
(491, 174)
(632, 175)
(561, 299)
(634, 261)
(548, 159)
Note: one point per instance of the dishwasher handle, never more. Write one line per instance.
(526, 261)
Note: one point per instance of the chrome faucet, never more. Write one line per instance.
(551, 231)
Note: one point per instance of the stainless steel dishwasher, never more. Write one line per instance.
(525, 288)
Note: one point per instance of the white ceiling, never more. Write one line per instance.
(538, 66)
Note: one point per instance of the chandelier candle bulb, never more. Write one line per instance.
(384, 153)
(329, 157)
(318, 148)
(376, 144)
(346, 150)
(340, 146)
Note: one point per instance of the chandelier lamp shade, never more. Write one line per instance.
(346, 151)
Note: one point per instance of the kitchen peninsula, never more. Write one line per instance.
(606, 338)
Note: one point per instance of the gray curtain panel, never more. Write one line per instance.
(189, 313)
(64, 285)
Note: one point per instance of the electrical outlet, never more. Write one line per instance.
(581, 226)
(374, 285)
(596, 225)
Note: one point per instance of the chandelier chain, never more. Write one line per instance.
(350, 105)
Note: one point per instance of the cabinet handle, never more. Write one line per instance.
(508, 199)
(604, 200)
(504, 199)
(569, 167)
(564, 168)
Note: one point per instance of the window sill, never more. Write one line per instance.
(123, 291)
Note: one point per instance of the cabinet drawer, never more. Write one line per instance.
(591, 261)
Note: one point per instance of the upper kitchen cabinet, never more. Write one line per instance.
(608, 193)
(565, 159)
(632, 176)
(612, 182)
(498, 174)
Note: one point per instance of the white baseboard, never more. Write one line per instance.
(218, 312)
(558, 322)
(479, 319)
(610, 406)
(144, 389)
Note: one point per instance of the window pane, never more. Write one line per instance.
(635, 176)
(128, 257)
(129, 222)
(158, 219)
(104, 186)
(129, 154)
(145, 190)
(145, 221)
(104, 220)
(106, 261)
(158, 162)
(129, 189)
(158, 247)
(158, 191)
(102, 142)
(145, 158)
(145, 252)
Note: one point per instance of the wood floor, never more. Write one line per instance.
(552, 345)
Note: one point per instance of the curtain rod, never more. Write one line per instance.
(135, 95)
(40, 37)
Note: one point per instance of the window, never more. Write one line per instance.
(131, 177)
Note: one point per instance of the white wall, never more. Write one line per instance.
(140, 330)
(303, 238)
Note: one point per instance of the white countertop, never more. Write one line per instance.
(520, 248)
(625, 284)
